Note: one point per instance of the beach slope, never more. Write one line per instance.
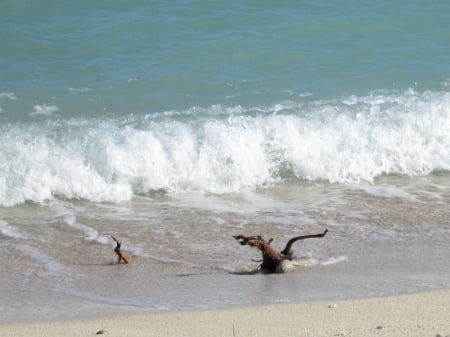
(422, 314)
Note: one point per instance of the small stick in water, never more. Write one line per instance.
(121, 256)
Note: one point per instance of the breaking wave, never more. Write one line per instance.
(224, 149)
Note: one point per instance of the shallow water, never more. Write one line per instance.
(385, 238)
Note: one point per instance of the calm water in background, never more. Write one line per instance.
(175, 125)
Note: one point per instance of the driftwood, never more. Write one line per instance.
(270, 257)
(120, 255)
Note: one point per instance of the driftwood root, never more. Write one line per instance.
(270, 257)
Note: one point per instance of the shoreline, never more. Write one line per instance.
(419, 314)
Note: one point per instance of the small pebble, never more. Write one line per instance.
(332, 305)
(380, 327)
(101, 332)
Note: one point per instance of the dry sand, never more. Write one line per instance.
(423, 314)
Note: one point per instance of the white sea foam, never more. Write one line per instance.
(51, 265)
(332, 260)
(80, 89)
(389, 192)
(90, 234)
(226, 149)
(307, 261)
(9, 231)
(44, 110)
(8, 95)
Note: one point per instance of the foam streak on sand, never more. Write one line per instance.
(417, 315)
(9, 231)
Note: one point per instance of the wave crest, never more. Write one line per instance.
(222, 149)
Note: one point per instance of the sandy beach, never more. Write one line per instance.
(421, 314)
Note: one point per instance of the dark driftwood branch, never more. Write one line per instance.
(288, 250)
(270, 257)
(121, 256)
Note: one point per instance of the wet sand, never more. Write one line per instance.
(421, 314)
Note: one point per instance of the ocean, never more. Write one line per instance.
(175, 125)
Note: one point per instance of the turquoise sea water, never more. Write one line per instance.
(170, 124)
(126, 57)
(91, 81)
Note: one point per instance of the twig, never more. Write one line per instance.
(121, 256)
